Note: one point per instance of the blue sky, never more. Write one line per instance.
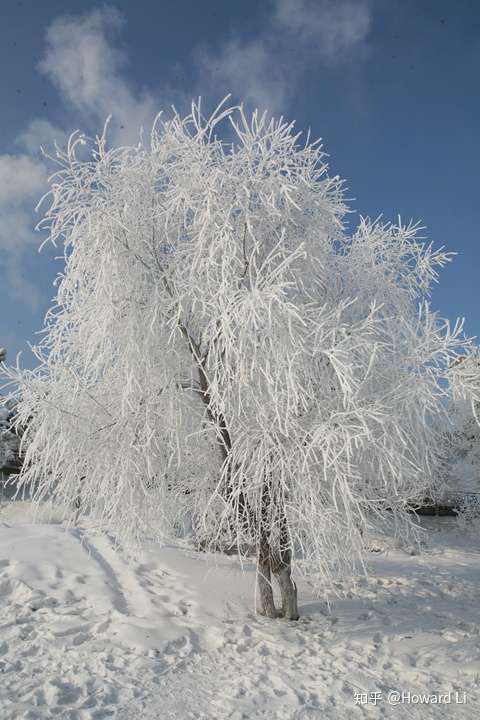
(390, 85)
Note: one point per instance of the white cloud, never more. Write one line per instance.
(84, 65)
(40, 133)
(248, 70)
(22, 182)
(333, 27)
(79, 58)
(265, 72)
(20, 176)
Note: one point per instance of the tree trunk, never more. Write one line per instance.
(265, 602)
(282, 570)
(279, 564)
(276, 561)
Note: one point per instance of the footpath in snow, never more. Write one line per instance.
(84, 635)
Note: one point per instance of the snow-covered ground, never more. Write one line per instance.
(85, 635)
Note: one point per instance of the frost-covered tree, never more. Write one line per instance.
(9, 441)
(9, 444)
(222, 349)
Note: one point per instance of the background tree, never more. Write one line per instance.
(222, 348)
(9, 441)
(462, 434)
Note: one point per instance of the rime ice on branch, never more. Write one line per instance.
(221, 348)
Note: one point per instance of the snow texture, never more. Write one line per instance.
(88, 635)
